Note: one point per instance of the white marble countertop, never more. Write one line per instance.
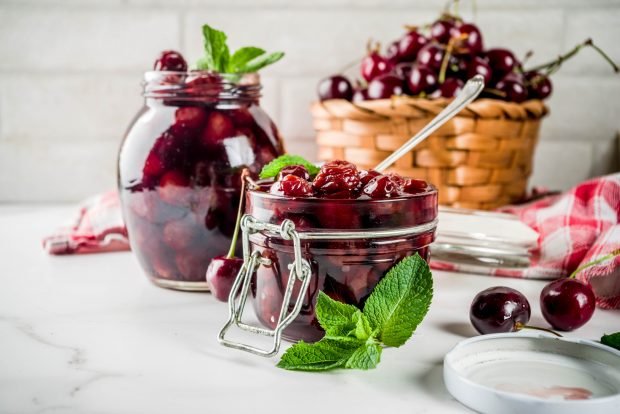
(90, 334)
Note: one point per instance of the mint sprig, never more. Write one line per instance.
(355, 339)
(217, 55)
(273, 168)
(612, 340)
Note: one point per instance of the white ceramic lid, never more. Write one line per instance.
(534, 373)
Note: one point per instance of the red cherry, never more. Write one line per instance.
(381, 187)
(335, 87)
(190, 117)
(385, 86)
(470, 39)
(538, 85)
(409, 46)
(153, 166)
(392, 53)
(170, 60)
(441, 30)
(431, 56)
(499, 309)
(221, 275)
(374, 65)
(421, 79)
(403, 70)
(479, 66)
(337, 179)
(501, 61)
(567, 304)
(513, 88)
(360, 95)
(292, 186)
(298, 170)
(219, 127)
(414, 186)
(450, 88)
(366, 176)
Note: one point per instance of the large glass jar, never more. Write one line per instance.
(179, 169)
(345, 269)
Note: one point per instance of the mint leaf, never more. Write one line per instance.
(242, 56)
(612, 340)
(365, 357)
(319, 356)
(216, 50)
(336, 318)
(273, 168)
(362, 329)
(400, 301)
(260, 62)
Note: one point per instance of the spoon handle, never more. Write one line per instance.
(472, 89)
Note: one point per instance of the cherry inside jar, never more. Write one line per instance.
(345, 269)
(179, 169)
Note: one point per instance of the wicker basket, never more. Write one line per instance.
(480, 159)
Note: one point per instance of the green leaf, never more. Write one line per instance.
(336, 318)
(365, 357)
(612, 340)
(362, 330)
(319, 356)
(273, 168)
(400, 301)
(216, 50)
(242, 56)
(260, 62)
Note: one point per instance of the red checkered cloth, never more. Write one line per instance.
(575, 228)
(98, 227)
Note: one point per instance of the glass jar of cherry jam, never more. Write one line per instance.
(346, 269)
(179, 169)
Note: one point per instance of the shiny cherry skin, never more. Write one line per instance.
(449, 88)
(360, 95)
(431, 56)
(381, 187)
(403, 69)
(298, 170)
(335, 87)
(366, 176)
(292, 186)
(480, 66)
(470, 39)
(441, 30)
(513, 88)
(409, 46)
(221, 275)
(422, 79)
(538, 85)
(413, 186)
(170, 60)
(392, 54)
(498, 309)
(385, 87)
(501, 61)
(567, 304)
(375, 65)
(337, 179)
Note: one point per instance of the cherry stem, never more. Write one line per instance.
(554, 65)
(519, 326)
(595, 262)
(446, 59)
(495, 92)
(231, 252)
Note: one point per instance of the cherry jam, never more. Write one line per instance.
(179, 169)
(346, 270)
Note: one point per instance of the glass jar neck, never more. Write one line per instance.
(201, 87)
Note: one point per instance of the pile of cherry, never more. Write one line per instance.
(343, 180)
(436, 60)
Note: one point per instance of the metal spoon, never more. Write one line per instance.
(472, 89)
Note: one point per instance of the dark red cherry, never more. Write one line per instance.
(450, 88)
(170, 60)
(409, 46)
(513, 88)
(335, 87)
(413, 186)
(431, 56)
(441, 30)
(421, 79)
(385, 86)
(219, 126)
(499, 309)
(469, 39)
(403, 69)
(298, 170)
(360, 95)
(190, 117)
(479, 66)
(221, 275)
(538, 85)
(457, 67)
(366, 176)
(392, 54)
(337, 179)
(501, 61)
(375, 65)
(381, 187)
(567, 304)
(292, 186)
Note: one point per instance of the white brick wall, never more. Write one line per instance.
(70, 73)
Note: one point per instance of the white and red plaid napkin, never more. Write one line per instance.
(575, 228)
